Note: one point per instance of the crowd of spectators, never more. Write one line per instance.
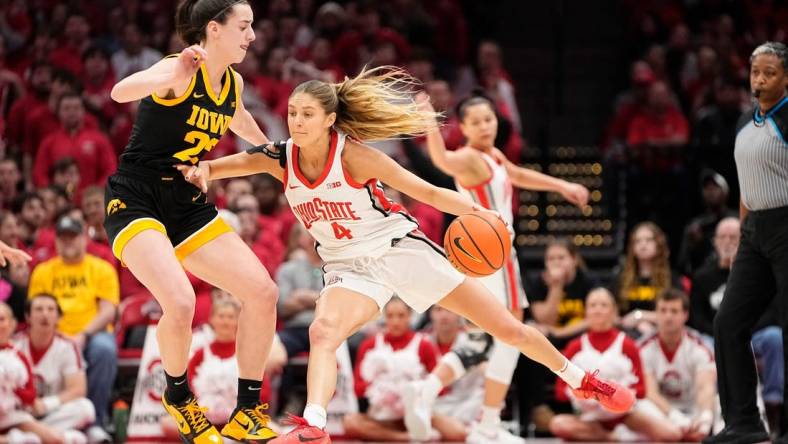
(673, 127)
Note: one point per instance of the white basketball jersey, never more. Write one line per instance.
(346, 218)
(613, 364)
(50, 369)
(495, 193)
(675, 372)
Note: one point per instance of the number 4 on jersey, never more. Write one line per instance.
(341, 232)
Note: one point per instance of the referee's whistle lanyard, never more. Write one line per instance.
(761, 119)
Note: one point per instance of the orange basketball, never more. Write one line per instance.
(477, 244)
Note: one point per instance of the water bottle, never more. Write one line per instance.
(120, 418)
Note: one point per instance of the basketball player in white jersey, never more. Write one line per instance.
(679, 369)
(370, 245)
(482, 173)
(59, 371)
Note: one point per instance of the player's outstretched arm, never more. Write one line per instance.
(260, 159)
(365, 163)
(171, 73)
(534, 180)
(453, 163)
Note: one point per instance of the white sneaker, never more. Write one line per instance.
(16, 436)
(74, 437)
(418, 412)
(97, 435)
(486, 435)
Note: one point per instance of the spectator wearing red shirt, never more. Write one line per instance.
(64, 173)
(271, 86)
(134, 56)
(10, 181)
(659, 131)
(98, 82)
(29, 207)
(628, 104)
(43, 120)
(40, 78)
(75, 39)
(90, 148)
(385, 363)
(11, 85)
(356, 46)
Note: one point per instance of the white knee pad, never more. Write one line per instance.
(502, 362)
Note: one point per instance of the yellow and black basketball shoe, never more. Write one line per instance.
(192, 423)
(249, 425)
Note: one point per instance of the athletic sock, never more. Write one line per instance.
(571, 374)
(249, 392)
(491, 417)
(178, 389)
(315, 415)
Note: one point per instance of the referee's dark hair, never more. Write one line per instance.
(776, 49)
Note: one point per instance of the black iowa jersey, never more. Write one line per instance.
(182, 129)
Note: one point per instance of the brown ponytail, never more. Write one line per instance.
(377, 104)
(192, 16)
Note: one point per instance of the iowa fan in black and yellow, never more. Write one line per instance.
(159, 224)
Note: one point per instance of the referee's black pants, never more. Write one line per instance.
(759, 274)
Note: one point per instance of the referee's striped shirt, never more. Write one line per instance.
(762, 157)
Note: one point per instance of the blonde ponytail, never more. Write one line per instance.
(377, 104)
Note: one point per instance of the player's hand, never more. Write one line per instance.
(481, 209)
(198, 175)
(575, 193)
(12, 255)
(188, 63)
(423, 100)
(39, 408)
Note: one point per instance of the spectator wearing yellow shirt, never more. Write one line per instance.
(86, 288)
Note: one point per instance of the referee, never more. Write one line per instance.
(760, 270)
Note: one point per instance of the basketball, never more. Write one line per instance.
(477, 244)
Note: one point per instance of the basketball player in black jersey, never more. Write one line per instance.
(158, 224)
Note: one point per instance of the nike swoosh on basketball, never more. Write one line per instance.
(461, 248)
(303, 438)
(197, 95)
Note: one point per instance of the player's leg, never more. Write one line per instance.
(474, 302)
(360, 426)
(225, 261)
(657, 427)
(572, 428)
(498, 376)
(75, 414)
(339, 313)
(449, 428)
(151, 259)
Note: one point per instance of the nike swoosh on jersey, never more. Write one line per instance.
(197, 95)
(303, 438)
(461, 248)
(292, 186)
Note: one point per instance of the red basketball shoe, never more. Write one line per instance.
(612, 396)
(302, 433)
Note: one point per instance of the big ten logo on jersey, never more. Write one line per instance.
(204, 120)
(319, 210)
